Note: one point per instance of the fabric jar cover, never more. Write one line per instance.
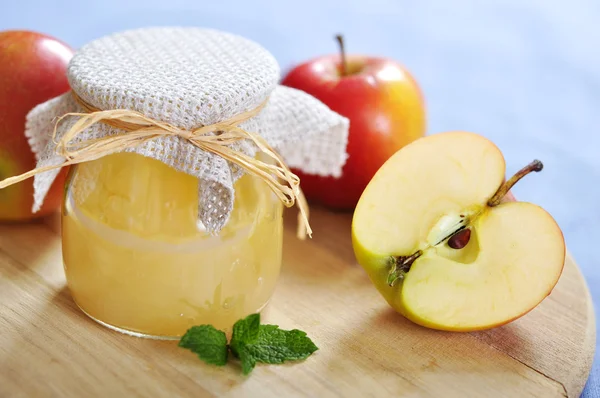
(191, 77)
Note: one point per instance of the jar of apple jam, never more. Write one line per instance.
(180, 145)
(136, 260)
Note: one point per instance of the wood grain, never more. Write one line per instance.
(48, 348)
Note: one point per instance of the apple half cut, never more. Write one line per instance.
(444, 243)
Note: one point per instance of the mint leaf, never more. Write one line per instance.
(252, 342)
(275, 345)
(207, 342)
(248, 362)
(244, 331)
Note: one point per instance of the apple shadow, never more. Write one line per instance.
(331, 231)
(387, 353)
(327, 255)
(512, 339)
(52, 220)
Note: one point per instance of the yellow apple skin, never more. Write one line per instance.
(377, 268)
(510, 223)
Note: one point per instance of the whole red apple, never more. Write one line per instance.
(32, 71)
(386, 111)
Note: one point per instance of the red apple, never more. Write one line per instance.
(386, 111)
(32, 71)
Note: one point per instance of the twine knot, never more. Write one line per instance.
(215, 138)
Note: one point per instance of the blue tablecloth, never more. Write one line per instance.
(524, 73)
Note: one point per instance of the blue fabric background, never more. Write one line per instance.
(524, 73)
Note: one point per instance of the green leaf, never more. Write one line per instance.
(248, 362)
(275, 345)
(207, 342)
(244, 331)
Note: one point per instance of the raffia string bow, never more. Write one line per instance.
(140, 129)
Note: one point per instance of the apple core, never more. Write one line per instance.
(454, 229)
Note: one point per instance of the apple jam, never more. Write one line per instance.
(136, 259)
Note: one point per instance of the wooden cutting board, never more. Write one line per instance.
(48, 348)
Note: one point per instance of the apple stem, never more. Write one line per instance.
(495, 200)
(340, 40)
(400, 266)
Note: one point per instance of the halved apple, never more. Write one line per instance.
(442, 243)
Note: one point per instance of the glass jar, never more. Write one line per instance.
(137, 261)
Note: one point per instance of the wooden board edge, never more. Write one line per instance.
(589, 344)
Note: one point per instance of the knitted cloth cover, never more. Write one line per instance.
(191, 77)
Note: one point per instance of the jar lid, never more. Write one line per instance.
(189, 78)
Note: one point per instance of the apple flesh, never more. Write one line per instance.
(32, 71)
(429, 192)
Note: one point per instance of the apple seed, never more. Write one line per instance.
(460, 239)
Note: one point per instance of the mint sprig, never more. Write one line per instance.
(251, 343)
